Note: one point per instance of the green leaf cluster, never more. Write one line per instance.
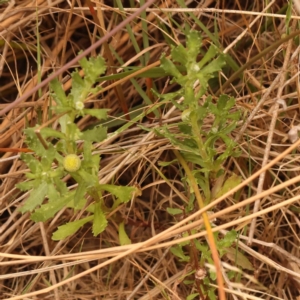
(48, 193)
(205, 147)
(225, 247)
(200, 144)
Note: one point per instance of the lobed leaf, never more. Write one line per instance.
(36, 198)
(70, 228)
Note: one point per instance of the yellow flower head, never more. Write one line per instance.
(72, 163)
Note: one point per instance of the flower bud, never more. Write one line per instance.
(72, 163)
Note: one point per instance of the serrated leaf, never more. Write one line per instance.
(32, 163)
(91, 162)
(123, 237)
(174, 211)
(202, 248)
(48, 210)
(212, 67)
(124, 193)
(222, 103)
(227, 240)
(100, 114)
(179, 54)
(93, 68)
(33, 142)
(97, 134)
(36, 198)
(169, 67)
(25, 186)
(194, 43)
(209, 54)
(70, 228)
(99, 222)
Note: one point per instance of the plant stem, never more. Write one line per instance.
(210, 236)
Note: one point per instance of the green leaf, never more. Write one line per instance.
(123, 237)
(228, 239)
(36, 198)
(192, 296)
(179, 54)
(214, 66)
(49, 132)
(63, 121)
(90, 163)
(53, 193)
(96, 134)
(25, 186)
(89, 179)
(209, 54)
(74, 134)
(48, 210)
(177, 251)
(80, 192)
(100, 114)
(174, 211)
(80, 88)
(93, 67)
(194, 43)
(124, 193)
(32, 163)
(59, 95)
(48, 157)
(211, 295)
(169, 67)
(60, 186)
(99, 222)
(186, 127)
(62, 109)
(33, 142)
(70, 228)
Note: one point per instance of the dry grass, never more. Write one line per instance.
(87, 267)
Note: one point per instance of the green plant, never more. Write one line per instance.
(225, 247)
(197, 144)
(69, 152)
